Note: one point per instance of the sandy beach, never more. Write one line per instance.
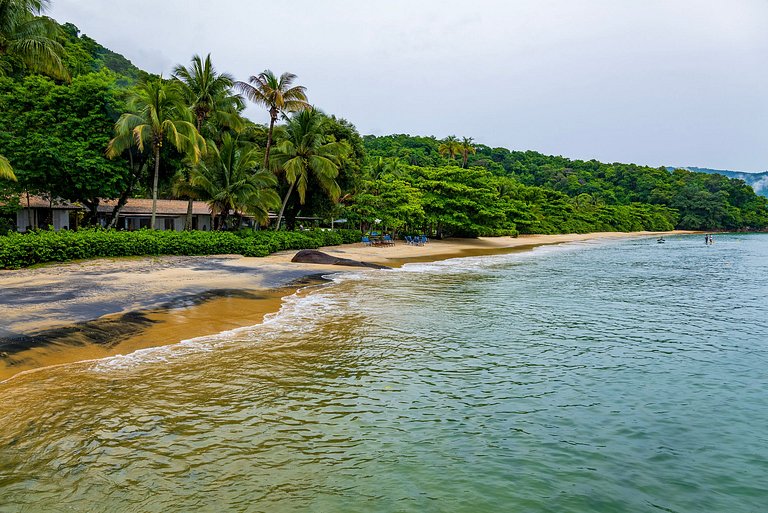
(70, 312)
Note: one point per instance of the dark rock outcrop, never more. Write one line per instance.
(311, 256)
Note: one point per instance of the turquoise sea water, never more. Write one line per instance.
(606, 376)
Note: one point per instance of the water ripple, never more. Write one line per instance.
(615, 376)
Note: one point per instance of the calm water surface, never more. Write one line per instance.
(614, 376)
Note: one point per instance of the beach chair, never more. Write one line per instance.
(366, 241)
(387, 240)
(408, 239)
(424, 240)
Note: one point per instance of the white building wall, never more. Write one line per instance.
(60, 219)
(24, 219)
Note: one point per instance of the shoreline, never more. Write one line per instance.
(79, 311)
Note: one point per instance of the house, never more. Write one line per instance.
(171, 214)
(38, 212)
(135, 214)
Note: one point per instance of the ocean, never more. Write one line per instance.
(614, 375)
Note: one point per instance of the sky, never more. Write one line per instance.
(654, 82)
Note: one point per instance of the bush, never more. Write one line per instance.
(23, 250)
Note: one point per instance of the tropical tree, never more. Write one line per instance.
(6, 172)
(277, 95)
(380, 166)
(28, 39)
(157, 113)
(305, 153)
(450, 147)
(467, 147)
(208, 94)
(229, 179)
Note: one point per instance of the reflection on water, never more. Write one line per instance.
(618, 376)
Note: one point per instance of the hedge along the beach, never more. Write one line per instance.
(24, 250)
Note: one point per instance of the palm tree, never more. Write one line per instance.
(467, 147)
(276, 95)
(305, 151)
(381, 166)
(157, 114)
(229, 179)
(28, 38)
(208, 94)
(6, 172)
(450, 147)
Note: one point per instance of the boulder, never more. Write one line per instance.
(312, 256)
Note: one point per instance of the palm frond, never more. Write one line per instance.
(6, 171)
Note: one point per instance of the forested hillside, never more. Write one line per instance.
(560, 194)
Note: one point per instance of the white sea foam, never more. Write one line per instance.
(299, 311)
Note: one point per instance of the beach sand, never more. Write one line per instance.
(77, 311)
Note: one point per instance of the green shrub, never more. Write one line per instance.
(23, 250)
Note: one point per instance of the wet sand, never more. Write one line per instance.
(93, 309)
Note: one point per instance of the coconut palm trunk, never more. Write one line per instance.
(282, 207)
(154, 187)
(272, 119)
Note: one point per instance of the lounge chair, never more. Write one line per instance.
(424, 239)
(366, 241)
(387, 240)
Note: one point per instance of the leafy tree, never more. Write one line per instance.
(229, 180)
(29, 40)
(461, 201)
(277, 95)
(56, 134)
(394, 201)
(304, 152)
(156, 114)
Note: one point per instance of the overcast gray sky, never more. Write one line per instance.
(673, 82)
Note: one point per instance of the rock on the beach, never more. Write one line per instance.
(311, 256)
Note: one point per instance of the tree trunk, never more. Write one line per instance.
(272, 119)
(29, 215)
(282, 208)
(91, 216)
(121, 201)
(188, 222)
(154, 188)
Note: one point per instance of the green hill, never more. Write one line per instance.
(84, 55)
(758, 181)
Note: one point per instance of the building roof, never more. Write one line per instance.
(40, 202)
(141, 207)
